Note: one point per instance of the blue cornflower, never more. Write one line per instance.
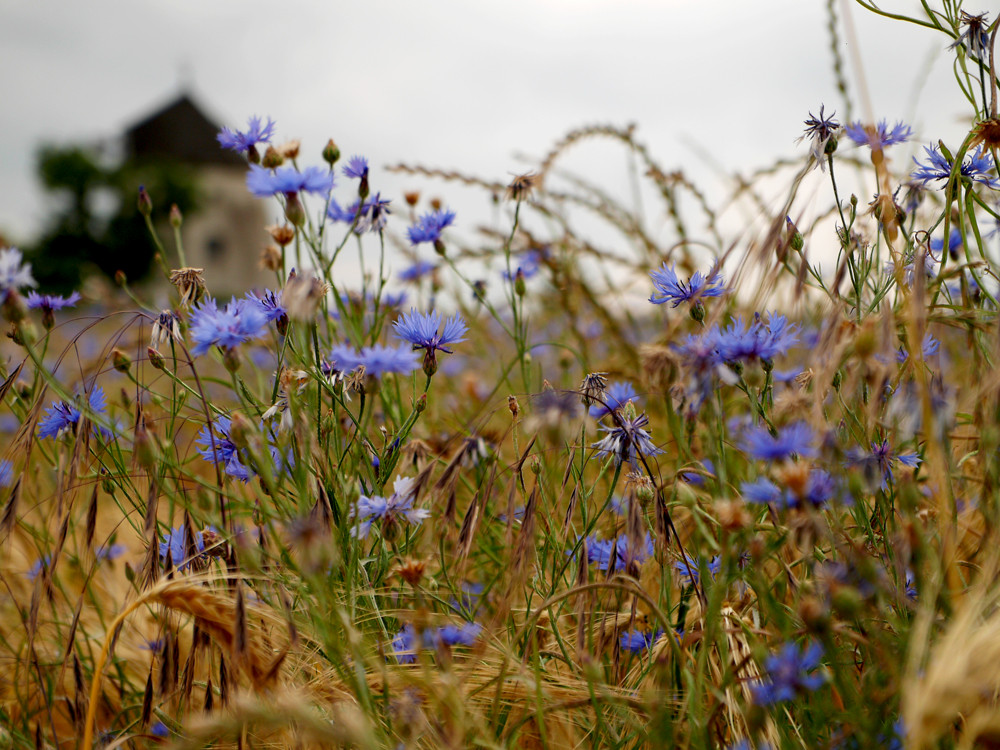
(615, 397)
(696, 478)
(269, 303)
(618, 551)
(377, 360)
(627, 440)
(954, 243)
(531, 263)
(928, 347)
(762, 491)
(404, 645)
(879, 136)
(424, 331)
(459, 635)
(246, 142)
(63, 416)
(637, 641)
(240, 321)
(264, 183)
(159, 729)
(218, 447)
(40, 564)
(429, 227)
(174, 543)
(390, 510)
(110, 551)
(740, 342)
(356, 167)
(796, 438)
(691, 569)
(910, 583)
(671, 289)
(880, 460)
(6, 473)
(13, 275)
(977, 167)
(417, 271)
(335, 212)
(788, 674)
(49, 303)
(819, 489)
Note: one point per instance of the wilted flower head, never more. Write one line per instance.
(976, 36)
(374, 214)
(822, 132)
(190, 283)
(593, 387)
(977, 167)
(521, 186)
(302, 296)
(166, 327)
(246, 142)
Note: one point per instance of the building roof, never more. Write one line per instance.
(180, 132)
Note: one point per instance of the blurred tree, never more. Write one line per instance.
(99, 226)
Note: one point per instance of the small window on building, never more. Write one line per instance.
(216, 247)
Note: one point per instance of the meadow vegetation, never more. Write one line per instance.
(491, 499)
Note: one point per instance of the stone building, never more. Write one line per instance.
(226, 236)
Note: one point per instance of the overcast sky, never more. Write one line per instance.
(464, 84)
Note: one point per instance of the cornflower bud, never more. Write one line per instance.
(436, 204)
(294, 211)
(120, 278)
(231, 359)
(331, 153)
(439, 247)
(519, 286)
(698, 311)
(145, 450)
(120, 360)
(145, 204)
(421, 404)
(176, 217)
(155, 358)
(412, 198)
(430, 363)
